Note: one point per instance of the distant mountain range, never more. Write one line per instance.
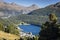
(54, 8)
(40, 16)
(15, 9)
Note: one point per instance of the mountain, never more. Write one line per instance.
(57, 5)
(54, 8)
(15, 9)
(39, 16)
(33, 7)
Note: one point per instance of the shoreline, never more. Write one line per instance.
(25, 33)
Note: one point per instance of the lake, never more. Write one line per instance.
(30, 28)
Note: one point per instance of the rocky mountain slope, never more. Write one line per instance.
(15, 9)
(41, 15)
(54, 8)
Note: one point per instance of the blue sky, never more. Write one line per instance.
(40, 3)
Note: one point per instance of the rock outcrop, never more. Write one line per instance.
(15, 9)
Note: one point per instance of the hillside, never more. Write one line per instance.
(7, 9)
(7, 26)
(7, 36)
(39, 16)
(54, 8)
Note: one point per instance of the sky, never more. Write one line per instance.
(40, 3)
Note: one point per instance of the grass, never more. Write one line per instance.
(8, 36)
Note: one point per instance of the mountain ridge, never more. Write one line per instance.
(15, 9)
(54, 8)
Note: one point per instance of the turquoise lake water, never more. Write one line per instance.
(30, 28)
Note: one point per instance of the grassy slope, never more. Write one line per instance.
(8, 36)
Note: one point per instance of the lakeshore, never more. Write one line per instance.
(28, 30)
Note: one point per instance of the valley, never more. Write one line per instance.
(33, 20)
